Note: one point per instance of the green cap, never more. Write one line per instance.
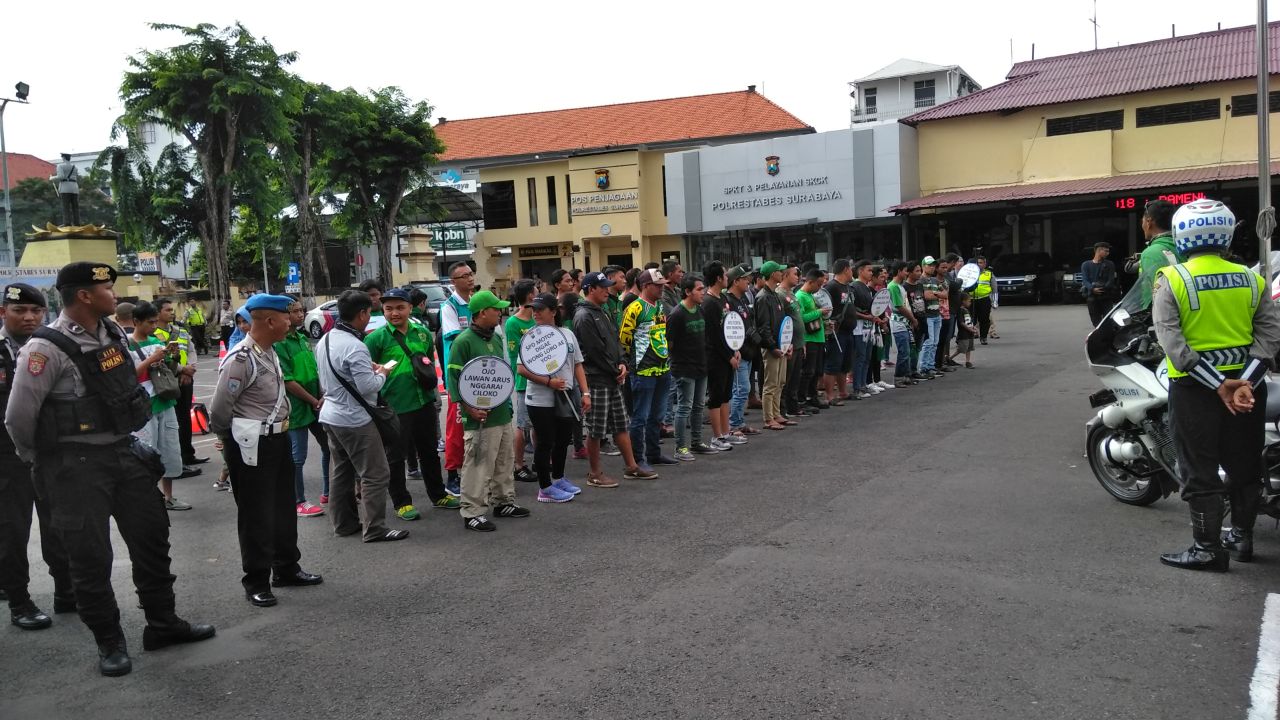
(484, 300)
(770, 267)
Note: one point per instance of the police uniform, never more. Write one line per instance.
(1216, 322)
(982, 302)
(250, 413)
(73, 404)
(18, 496)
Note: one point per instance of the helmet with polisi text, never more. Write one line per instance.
(1203, 225)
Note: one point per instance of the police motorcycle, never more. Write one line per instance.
(1129, 441)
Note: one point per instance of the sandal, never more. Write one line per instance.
(790, 422)
(772, 426)
(390, 536)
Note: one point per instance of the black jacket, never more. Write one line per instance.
(768, 318)
(598, 339)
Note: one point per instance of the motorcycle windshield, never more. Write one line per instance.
(1129, 318)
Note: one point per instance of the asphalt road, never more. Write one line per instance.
(936, 552)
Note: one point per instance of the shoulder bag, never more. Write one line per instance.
(382, 414)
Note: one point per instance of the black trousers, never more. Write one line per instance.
(554, 435)
(226, 331)
(186, 396)
(982, 313)
(1099, 306)
(811, 372)
(417, 437)
(266, 514)
(1205, 436)
(88, 485)
(197, 336)
(791, 385)
(944, 343)
(17, 498)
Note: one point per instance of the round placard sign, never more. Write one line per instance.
(544, 350)
(822, 299)
(786, 333)
(735, 331)
(968, 275)
(485, 382)
(880, 303)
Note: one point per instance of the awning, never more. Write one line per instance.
(1088, 186)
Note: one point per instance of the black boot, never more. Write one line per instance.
(113, 652)
(173, 630)
(1239, 543)
(64, 597)
(29, 617)
(1206, 553)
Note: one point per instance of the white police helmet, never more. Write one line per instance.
(1203, 225)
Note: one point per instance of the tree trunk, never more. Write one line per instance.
(315, 265)
(214, 231)
(384, 235)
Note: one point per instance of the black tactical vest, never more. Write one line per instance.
(8, 364)
(114, 402)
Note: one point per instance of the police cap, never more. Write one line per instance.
(262, 301)
(23, 294)
(85, 273)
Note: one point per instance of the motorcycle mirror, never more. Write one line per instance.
(1120, 316)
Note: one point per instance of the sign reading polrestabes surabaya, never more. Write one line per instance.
(604, 202)
(776, 193)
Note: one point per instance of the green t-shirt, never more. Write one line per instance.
(897, 298)
(467, 346)
(298, 363)
(515, 330)
(147, 347)
(402, 391)
(808, 313)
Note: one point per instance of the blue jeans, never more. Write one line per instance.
(902, 370)
(741, 391)
(929, 346)
(648, 404)
(298, 439)
(860, 364)
(691, 405)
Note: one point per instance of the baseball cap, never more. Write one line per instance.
(650, 277)
(545, 301)
(928, 260)
(397, 294)
(484, 300)
(594, 279)
(771, 267)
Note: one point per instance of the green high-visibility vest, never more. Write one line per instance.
(985, 280)
(1216, 303)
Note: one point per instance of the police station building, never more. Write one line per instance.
(808, 197)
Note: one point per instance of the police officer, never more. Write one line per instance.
(74, 402)
(250, 413)
(982, 293)
(1219, 329)
(23, 312)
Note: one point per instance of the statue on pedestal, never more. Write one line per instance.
(67, 179)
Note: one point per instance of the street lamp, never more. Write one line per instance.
(8, 257)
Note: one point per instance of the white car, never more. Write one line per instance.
(322, 319)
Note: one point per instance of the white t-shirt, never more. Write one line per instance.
(538, 395)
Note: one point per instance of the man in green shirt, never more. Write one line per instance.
(813, 323)
(161, 431)
(487, 478)
(1157, 228)
(302, 383)
(618, 284)
(410, 390)
(514, 329)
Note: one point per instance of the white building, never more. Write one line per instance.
(903, 88)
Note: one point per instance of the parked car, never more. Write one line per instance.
(437, 292)
(1027, 276)
(322, 319)
(1071, 287)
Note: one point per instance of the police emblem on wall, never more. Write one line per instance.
(772, 165)
(602, 179)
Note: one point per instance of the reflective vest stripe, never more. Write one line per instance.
(1193, 297)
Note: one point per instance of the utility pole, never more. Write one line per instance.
(1266, 213)
(1094, 20)
(8, 255)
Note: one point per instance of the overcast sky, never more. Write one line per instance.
(473, 59)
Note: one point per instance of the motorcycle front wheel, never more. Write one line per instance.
(1115, 479)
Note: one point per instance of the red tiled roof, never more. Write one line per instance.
(1060, 188)
(1173, 62)
(23, 167)
(698, 117)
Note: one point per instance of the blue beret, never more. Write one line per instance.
(279, 303)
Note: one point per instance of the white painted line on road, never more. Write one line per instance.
(1264, 690)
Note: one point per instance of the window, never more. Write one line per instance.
(1111, 120)
(869, 101)
(1242, 105)
(533, 202)
(570, 194)
(148, 132)
(553, 214)
(499, 202)
(924, 93)
(1180, 112)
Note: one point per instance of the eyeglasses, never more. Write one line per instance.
(463, 275)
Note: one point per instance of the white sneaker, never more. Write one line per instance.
(884, 385)
(720, 445)
(862, 395)
(874, 389)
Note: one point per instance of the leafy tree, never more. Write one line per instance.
(378, 148)
(300, 159)
(36, 203)
(158, 206)
(228, 94)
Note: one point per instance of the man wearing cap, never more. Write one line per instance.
(737, 300)
(23, 311)
(250, 413)
(487, 462)
(768, 320)
(643, 336)
(933, 293)
(410, 390)
(74, 402)
(606, 370)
